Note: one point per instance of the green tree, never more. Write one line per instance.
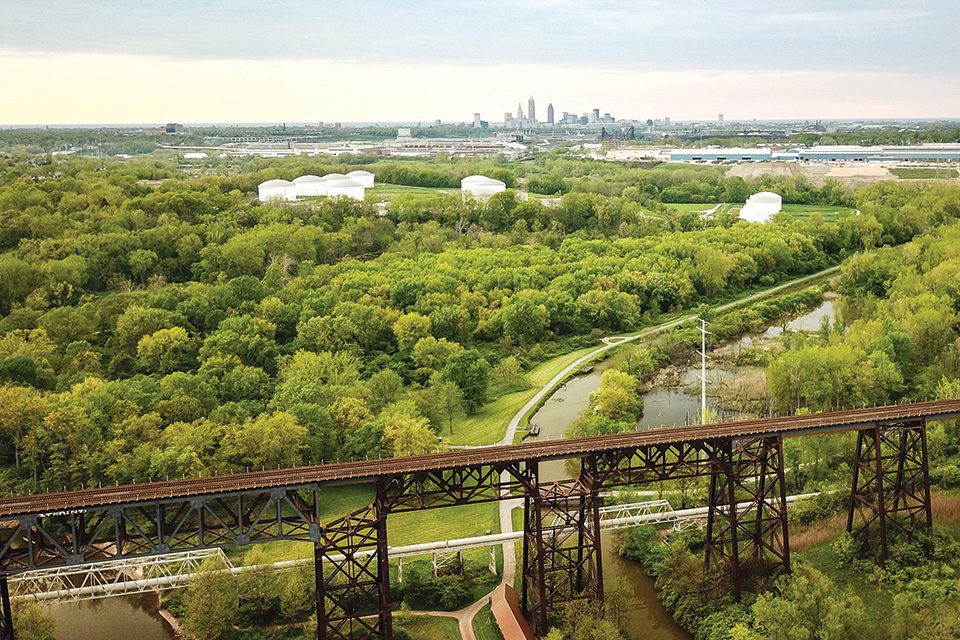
(267, 440)
(471, 373)
(808, 606)
(409, 436)
(31, 621)
(210, 602)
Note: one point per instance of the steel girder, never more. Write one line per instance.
(651, 463)
(353, 590)
(561, 549)
(747, 511)
(151, 528)
(891, 488)
(432, 488)
(6, 614)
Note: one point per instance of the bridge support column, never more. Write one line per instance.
(891, 488)
(353, 578)
(561, 550)
(747, 516)
(6, 613)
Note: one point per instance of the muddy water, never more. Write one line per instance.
(647, 620)
(120, 618)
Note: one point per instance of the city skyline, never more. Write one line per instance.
(245, 61)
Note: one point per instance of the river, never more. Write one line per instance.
(120, 618)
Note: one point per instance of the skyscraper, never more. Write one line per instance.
(531, 110)
(550, 113)
(476, 120)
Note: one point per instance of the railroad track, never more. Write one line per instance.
(365, 470)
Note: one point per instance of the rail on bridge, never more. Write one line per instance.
(743, 461)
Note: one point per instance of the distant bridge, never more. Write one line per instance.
(743, 459)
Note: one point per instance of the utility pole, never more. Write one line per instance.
(703, 369)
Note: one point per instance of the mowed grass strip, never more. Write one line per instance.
(445, 523)
(428, 627)
(387, 191)
(485, 625)
(489, 424)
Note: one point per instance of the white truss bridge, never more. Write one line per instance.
(176, 570)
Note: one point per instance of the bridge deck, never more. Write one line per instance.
(363, 471)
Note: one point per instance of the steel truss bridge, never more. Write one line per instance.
(561, 533)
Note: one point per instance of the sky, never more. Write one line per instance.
(117, 61)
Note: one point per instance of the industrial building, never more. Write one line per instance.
(932, 152)
(481, 186)
(720, 155)
(761, 207)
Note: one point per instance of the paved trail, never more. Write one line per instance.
(465, 616)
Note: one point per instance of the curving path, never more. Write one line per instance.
(609, 343)
(465, 616)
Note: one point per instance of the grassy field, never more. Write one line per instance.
(428, 627)
(431, 525)
(386, 191)
(489, 424)
(485, 625)
(925, 173)
(798, 211)
(804, 211)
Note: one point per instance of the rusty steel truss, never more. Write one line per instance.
(747, 526)
(891, 489)
(747, 517)
(6, 613)
(561, 550)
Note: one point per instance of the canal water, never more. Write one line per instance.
(120, 618)
(647, 620)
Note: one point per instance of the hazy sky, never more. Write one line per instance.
(64, 61)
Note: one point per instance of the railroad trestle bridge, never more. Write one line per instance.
(747, 531)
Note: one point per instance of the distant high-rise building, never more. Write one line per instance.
(720, 119)
(519, 111)
(531, 110)
(476, 120)
(666, 121)
(550, 113)
(596, 115)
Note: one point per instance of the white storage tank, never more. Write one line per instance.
(481, 186)
(277, 190)
(311, 185)
(761, 207)
(363, 177)
(345, 187)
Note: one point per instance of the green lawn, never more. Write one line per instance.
(387, 191)
(924, 173)
(428, 627)
(804, 211)
(431, 525)
(489, 424)
(485, 625)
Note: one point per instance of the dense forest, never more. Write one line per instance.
(157, 320)
(157, 324)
